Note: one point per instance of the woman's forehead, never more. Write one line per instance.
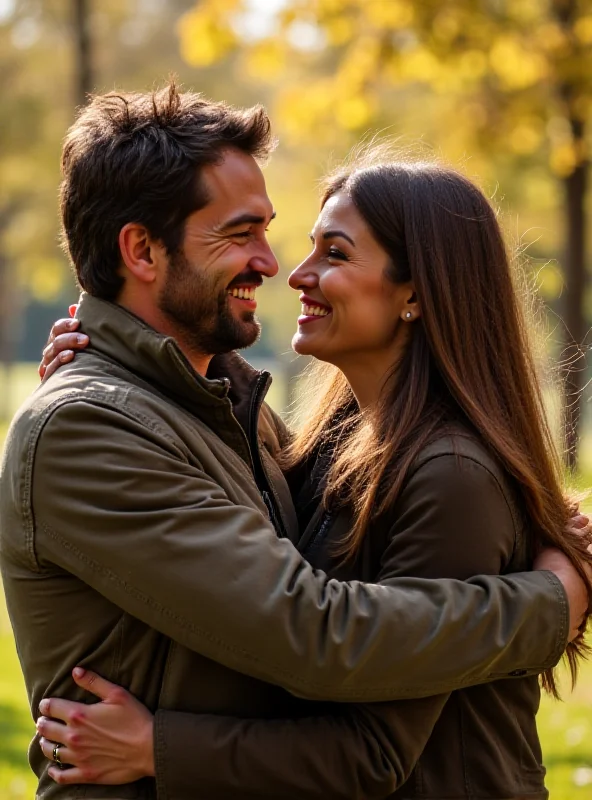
(340, 210)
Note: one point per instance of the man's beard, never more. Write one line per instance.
(200, 311)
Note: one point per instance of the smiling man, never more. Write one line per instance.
(203, 293)
(146, 529)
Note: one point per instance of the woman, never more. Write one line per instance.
(426, 443)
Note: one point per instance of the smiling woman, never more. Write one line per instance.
(352, 315)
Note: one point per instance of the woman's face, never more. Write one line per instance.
(351, 312)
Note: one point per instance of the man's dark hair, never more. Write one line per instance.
(137, 158)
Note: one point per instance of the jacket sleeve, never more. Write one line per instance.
(362, 751)
(118, 504)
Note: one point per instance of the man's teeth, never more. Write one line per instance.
(243, 294)
(314, 311)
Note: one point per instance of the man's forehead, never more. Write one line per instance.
(235, 170)
(235, 187)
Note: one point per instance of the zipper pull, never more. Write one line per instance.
(274, 519)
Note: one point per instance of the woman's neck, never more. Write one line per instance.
(367, 377)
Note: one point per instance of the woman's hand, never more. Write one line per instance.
(110, 742)
(63, 341)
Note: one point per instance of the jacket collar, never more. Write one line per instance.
(124, 338)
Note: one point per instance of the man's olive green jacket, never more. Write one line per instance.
(146, 532)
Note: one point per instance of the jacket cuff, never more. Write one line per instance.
(550, 629)
(562, 610)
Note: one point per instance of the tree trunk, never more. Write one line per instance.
(83, 71)
(573, 308)
(566, 13)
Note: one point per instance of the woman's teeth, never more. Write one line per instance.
(243, 294)
(314, 311)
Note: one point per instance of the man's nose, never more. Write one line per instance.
(265, 262)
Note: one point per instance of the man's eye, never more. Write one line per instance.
(334, 252)
(246, 234)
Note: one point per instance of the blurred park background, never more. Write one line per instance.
(500, 88)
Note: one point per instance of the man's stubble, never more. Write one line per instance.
(199, 310)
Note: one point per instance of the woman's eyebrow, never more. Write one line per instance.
(332, 235)
(342, 234)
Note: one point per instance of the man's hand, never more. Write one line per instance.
(552, 559)
(63, 341)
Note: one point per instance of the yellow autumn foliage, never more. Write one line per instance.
(526, 136)
(516, 66)
(266, 62)
(392, 14)
(583, 29)
(205, 35)
(506, 65)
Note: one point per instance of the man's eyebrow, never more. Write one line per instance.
(244, 219)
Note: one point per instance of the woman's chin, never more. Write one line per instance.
(302, 344)
(306, 346)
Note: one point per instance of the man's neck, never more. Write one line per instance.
(154, 317)
(198, 361)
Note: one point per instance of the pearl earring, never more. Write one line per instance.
(408, 315)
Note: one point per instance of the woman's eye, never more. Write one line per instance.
(333, 252)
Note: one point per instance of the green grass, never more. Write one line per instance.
(16, 726)
(565, 730)
(565, 727)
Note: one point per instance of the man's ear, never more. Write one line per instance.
(141, 254)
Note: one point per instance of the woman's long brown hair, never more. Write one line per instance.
(468, 359)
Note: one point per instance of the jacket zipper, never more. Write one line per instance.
(319, 534)
(261, 478)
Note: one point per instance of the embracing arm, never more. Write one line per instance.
(355, 751)
(174, 551)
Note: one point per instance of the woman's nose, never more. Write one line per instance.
(304, 276)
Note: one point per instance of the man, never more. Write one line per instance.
(146, 530)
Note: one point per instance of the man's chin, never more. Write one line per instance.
(251, 333)
(243, 334)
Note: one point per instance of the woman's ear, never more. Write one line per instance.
(411, 310)
(141, 254)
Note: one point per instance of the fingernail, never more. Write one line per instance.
(81, 338)
(78, 672)
(44, 707)
(65, 355)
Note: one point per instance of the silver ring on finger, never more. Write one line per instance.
(55, 756)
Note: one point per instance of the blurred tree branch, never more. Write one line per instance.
(83, 73)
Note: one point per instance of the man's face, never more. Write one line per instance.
(208, 293)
